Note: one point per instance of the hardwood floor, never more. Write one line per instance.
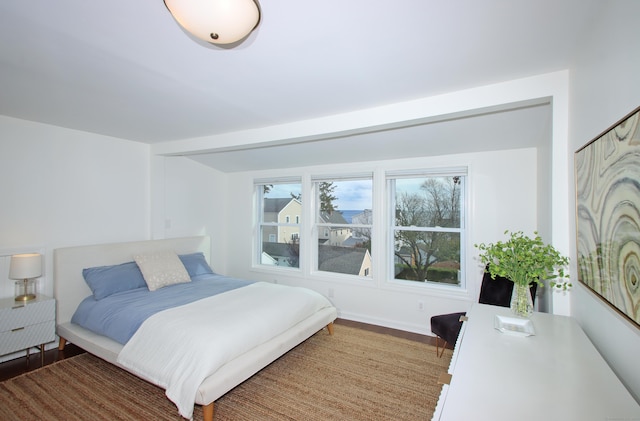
(20, 366)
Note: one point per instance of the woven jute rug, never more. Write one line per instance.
(353, 375)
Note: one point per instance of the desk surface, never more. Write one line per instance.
(556, 374)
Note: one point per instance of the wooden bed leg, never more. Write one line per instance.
(61, 344)
(207, 412)
(330, 328)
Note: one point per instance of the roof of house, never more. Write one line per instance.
(279, 249)
(340, 259)
(337, 259)
(332, 217)
(276, 204)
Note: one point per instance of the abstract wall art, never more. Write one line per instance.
(607, 174)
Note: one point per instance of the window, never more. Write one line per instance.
(427, 223)
(343, 221)
(423, 230)
(278, 238)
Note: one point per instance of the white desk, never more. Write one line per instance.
(557, 374)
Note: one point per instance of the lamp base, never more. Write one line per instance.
(25, 290)
(26, 297)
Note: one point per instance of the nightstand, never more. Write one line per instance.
(24, 325)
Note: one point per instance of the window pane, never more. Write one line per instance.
(279, 240)
(428, 228)
(344, 218)
(428, 201)
(425, 256)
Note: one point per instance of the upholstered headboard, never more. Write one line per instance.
(69, 285)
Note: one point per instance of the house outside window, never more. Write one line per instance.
(427, 227)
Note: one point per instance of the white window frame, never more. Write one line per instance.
(319, 227)
(390, 202)
(381, 272)
(260, 223)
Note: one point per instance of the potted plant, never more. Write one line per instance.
(524, 260)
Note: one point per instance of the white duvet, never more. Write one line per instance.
(178, 348)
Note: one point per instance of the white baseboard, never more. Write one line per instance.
(392, 324)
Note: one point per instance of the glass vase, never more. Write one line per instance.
(521, 301)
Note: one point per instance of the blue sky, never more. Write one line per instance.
(351, 194)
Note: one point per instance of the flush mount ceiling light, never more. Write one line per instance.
(216, 21)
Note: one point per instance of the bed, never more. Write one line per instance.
(70, 289)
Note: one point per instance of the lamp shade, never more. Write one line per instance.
(25, 266)
(216, 21)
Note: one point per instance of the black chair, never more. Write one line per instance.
(495, 292)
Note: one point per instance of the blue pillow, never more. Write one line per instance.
(196, 264)
(108, 280)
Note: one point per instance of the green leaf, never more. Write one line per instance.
(524, 260)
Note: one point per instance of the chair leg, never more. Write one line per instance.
(439, 353)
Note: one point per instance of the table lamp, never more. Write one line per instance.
(25, 267)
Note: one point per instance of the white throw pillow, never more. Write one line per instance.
(161, 269)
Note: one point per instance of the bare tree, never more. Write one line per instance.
(410, 245)
(443, 201)
(293, 249)
(438, 206)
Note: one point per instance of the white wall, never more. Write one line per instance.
(503, 190)
(550, 89)
(604, 88)
(190, 199)
(552, 211)
(61, 187)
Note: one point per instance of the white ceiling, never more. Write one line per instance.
(124, 68)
